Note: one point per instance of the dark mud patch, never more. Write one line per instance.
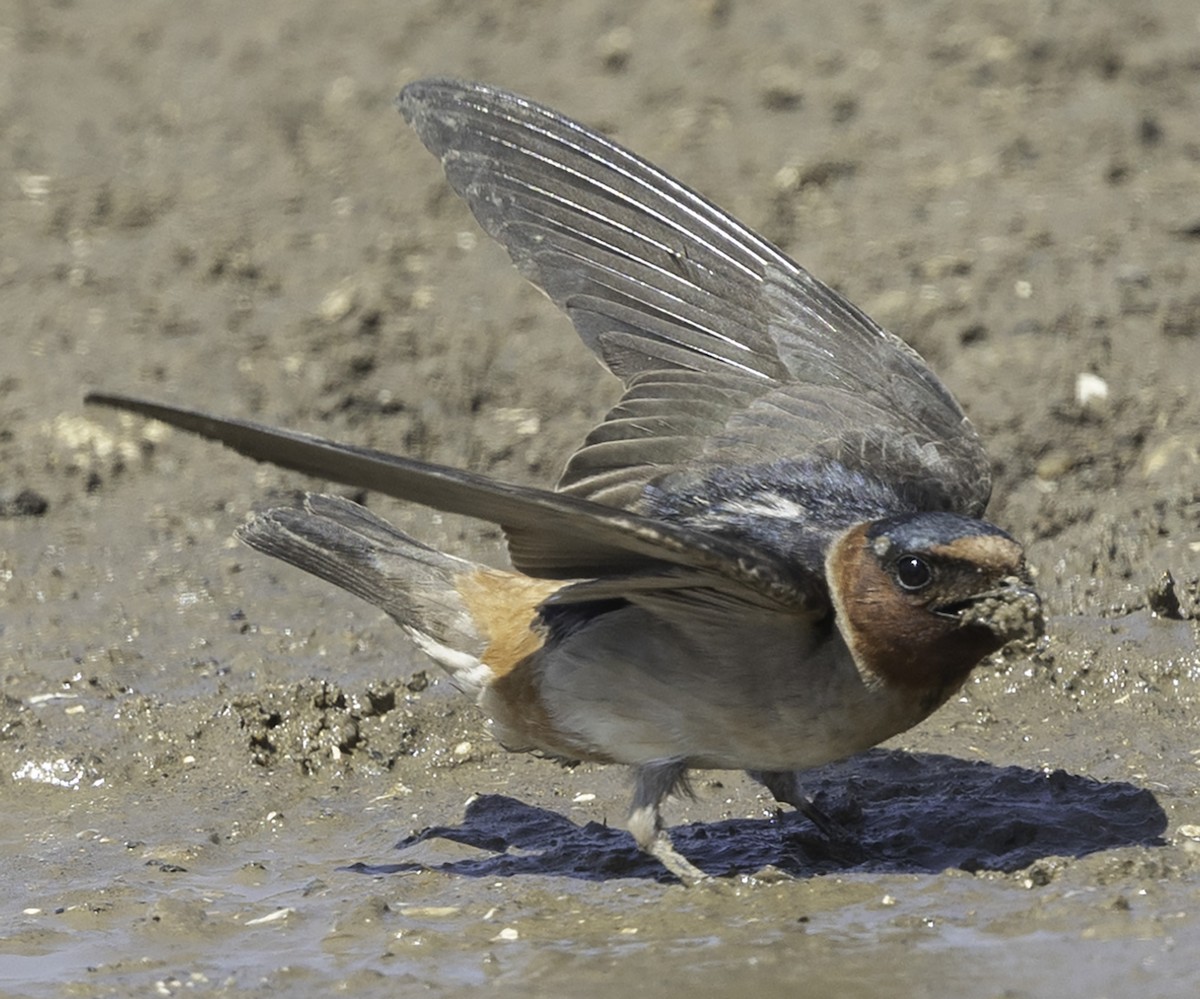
(316, 723)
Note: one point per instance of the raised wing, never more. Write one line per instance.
(732, 354)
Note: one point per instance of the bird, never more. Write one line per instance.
(769, 555)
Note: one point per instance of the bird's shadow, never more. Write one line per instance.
(902, 812)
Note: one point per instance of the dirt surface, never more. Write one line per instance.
(207, 759)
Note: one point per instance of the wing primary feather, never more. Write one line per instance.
(575, 537)
(471, 112)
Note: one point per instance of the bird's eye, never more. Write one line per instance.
(913, 572)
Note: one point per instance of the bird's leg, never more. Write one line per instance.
(784, 786)
(653, 783)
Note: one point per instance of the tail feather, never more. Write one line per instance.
(477, 623)
(418, 586)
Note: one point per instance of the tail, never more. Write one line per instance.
(477, 623)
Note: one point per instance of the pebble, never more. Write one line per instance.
(1091, 391)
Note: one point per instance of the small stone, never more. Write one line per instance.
(1091, 391)
(339, 303)
(279, 915)
(1054, 465)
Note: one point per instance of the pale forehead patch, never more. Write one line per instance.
(988, 551)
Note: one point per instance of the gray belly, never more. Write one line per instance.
(756, 691)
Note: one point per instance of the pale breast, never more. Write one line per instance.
(763, 692)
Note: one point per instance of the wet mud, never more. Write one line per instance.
(220, 777)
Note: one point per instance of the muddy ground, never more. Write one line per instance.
(208, 759)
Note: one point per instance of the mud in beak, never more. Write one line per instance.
(1012, 611)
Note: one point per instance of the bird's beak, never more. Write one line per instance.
(1012, 610)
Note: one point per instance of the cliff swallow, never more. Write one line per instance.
(768, 556)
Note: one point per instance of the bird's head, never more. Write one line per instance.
(922, 598)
